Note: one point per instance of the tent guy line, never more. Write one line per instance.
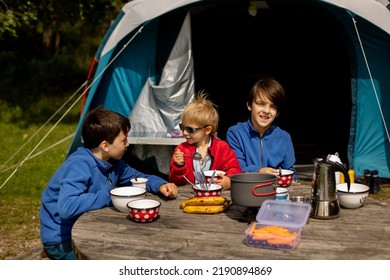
(38, 130)
(115, 57)
(29, 156)
(371, 79)
(40, 152)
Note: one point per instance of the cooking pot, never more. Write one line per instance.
(251, 189)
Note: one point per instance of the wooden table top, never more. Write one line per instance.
(106, 234)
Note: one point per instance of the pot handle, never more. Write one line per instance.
(262, 185)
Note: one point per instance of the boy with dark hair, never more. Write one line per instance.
(84, 180)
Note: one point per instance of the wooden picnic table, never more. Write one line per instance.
(106, 234)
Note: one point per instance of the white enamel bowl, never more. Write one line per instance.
(122, 195)
(209, 173)
(355, 197)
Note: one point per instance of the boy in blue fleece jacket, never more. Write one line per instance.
(84, 180)
(259, 144)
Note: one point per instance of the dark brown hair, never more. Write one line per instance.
(271, 89)
(101, 124)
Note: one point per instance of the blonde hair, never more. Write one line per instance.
(202, 112)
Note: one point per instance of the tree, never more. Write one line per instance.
(47, 46)
(49, 19)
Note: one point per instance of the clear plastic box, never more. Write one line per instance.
(278, 225)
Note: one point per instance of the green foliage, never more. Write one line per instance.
(28, 17)
(15, 17)
(32, 68)
(50, 45)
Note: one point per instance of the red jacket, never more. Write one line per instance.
(222, 158)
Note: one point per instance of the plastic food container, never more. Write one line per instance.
(278, 225)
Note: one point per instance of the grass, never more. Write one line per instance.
(20, 195)
(384, 194)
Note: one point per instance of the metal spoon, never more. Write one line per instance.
(199, 179)
(212, 178)
(196, 156)
(188, 180)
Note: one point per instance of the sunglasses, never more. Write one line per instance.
(189, 129)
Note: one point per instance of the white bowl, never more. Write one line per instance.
(282, 194)
(209, 173)
(355, 197)
(120, 196)
(139, 182)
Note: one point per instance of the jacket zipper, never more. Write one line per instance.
(261, 151)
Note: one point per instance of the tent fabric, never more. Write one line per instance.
(371, 10)
(161, 104)
(135, 62)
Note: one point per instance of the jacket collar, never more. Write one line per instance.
(269, 131)
(101, 164)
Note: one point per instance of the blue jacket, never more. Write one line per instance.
(82, 183)
(274, 149)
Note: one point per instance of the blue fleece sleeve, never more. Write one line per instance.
(128, 172)
(82, 190)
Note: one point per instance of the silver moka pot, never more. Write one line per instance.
(324, 202)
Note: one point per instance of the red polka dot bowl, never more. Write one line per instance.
(212, 190)
(144, 210)
(285, 179)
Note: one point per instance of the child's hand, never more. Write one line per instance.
(269, 170)
(178, 158)
(222, 180)
(168, 190)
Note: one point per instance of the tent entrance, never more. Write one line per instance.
(232, 49)
(314, 48)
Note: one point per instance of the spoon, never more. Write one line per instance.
(212, 178)
(188, 180)
(196, 156)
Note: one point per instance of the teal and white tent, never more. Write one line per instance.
(332, 56)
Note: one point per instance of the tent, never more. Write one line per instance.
(332, 57)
